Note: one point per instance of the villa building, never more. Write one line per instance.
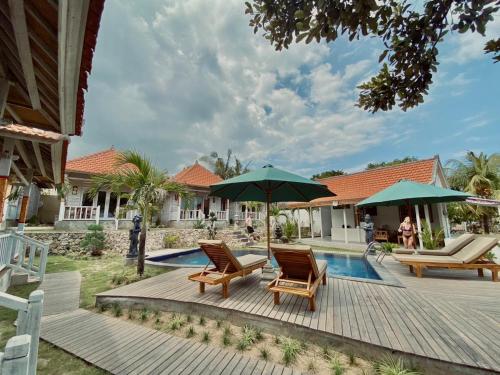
(79, 208)
(337, 218)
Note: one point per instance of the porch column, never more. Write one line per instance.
(25, 201)
(419, 227)
(62, 205)
(299, 224)
(5, 164)
(321, 223)
(179, 210)
(344, 213)
(246, 211)
(311, 221)
(428, 217)
(106, 205)
(331, 223)
(227, 210)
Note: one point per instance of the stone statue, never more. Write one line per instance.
(368, 226)
(134, 236)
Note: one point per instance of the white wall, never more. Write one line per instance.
(75, 199)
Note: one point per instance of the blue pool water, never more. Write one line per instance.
(338, 264)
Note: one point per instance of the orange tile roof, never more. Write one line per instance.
(31, 134)
(352, 188)
(197, 175)
(98, 163)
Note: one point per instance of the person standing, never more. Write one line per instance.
(407, 229)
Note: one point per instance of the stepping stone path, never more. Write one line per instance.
(121, 347)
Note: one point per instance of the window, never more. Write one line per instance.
(87, 200)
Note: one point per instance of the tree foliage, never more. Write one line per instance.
(227, 167)
(149, 188)
(325, 174)
(478, 175)
(410, 31)
(406, 159)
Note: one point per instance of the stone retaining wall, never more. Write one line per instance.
(117, 240)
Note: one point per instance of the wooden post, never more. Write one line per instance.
(25, 201)
(98, 214)
(345, 224)
(28, 322)
(62, 206)
(5, 164)
(428, 218)
(321, 223)
(419, 227)
(16, 356)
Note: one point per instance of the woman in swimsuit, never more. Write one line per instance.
(407, 229)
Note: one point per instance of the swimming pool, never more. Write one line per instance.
(338, 264)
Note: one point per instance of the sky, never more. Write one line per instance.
(177, 80)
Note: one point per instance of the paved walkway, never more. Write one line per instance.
(121, 347)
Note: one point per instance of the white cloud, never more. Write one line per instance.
(178, 79)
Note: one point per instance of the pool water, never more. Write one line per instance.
(338, 264)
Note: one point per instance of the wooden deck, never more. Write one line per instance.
(62, 292)
(121, 347)
(453, 317)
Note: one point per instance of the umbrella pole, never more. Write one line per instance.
(268, 226)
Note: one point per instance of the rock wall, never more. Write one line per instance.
(117, 241)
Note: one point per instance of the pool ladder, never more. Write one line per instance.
(373, 246)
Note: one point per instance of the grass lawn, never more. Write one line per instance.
(98, 275)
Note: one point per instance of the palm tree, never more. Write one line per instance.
(478, 175)
(149, 188)
(222, 166)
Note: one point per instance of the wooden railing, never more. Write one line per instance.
(222, 215)
(21, 351)
(81, 213)
(191, 215)
(23, 254)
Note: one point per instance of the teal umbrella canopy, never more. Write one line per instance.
(409, 192)
(269, 184)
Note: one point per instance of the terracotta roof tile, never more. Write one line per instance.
(197, 175)
(352, 188)
(98, 163)
(30, 133)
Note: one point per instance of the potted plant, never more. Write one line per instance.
(93, 242)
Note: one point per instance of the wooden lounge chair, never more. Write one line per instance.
(450, 249)
(226, 265)
(300, 273)
(469, 257)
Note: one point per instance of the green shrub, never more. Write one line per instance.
(144, 314)
(431, 240)
(290, 228)
(131, 314)
(190, 332)
(393, 366)
(218, 323)
(116, 309)
(389, 246)
(311, 366)
(205, 337)
(264, 353)
(93, 241)
(490, 255)
(170, 240)
(189, 318)
(227, 331)
(176, 322)
(250, 335)
(336, 366)
(199, 224)
(226, 340)
(291, 349)
(352, 359)
(202, 321)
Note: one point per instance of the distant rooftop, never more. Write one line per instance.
(196, 175)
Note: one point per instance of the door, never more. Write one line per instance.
(206, 207)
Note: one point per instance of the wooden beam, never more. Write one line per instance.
(72, 21)
(14, 114)
(40, 19)
(4, 93)
(19, 174)
(56, 153)
(39, 159)
(24, 155)
(18, 19)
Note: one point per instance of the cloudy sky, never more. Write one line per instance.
(179, 79)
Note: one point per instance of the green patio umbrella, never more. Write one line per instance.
(269, 184)
(408, 192)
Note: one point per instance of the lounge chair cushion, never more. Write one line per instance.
(322, 264)
(453, 247)
(402, 250)
(476, 249)
(427, 259)
(251, 260)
